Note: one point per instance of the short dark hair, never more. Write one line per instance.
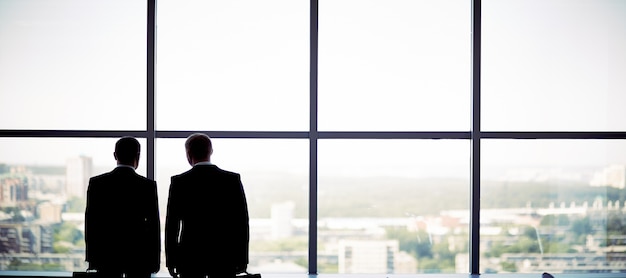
(199, 146)
(127, 149)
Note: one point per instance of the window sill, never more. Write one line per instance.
(50, 274)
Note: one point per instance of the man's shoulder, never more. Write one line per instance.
(227, 172)
(120, 174)
(101, 176)
(227, 175)
(207, 169)
(143, 178)
(146, 180)
(183, 174)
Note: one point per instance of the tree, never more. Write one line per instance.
(75, 204)
(555, 220)
(416, 243)
(580, 229)
(508, 266)
(614, 225)
(66, 234)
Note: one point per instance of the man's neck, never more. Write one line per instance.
(202, 162)
(126, 166)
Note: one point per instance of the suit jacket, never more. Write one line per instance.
(207, 223)
(122, 224)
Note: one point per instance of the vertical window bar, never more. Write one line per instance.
(150, 60)
(313, 136)
(475, 142)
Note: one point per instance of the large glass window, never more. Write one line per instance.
(553, 65)
(232, 65)
(349, 122)
(392, 206)
(553, 205)
(43, 186)
(274, 173)
(394, 65)
(73, 64)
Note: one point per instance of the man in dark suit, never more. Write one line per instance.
(206, 226)
(122, 225)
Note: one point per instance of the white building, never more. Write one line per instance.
(281, 217)
(613, 175)
(50, 212)
(368, 256)
(78, 170)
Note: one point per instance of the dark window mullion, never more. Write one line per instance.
(313, 137)
(150, 82)
(474, 247)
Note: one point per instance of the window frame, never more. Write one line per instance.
(475, 134)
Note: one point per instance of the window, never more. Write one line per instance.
(394, 65)
(552, 204)
(73, 65)
(274, 174)
(43, 186)
(411, 194)
(245, 61)
(373, 137)
(553, 65)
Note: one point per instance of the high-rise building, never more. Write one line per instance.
(78, 170)
(613, 175)
(282, 217)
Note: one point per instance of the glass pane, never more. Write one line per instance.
(73, 64)
(553, 65)
(393, 206)
(43, 182)
(275, 179)
(553, 205)
(233, 65)
(394, 65)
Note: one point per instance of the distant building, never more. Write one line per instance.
(77, 173)
(613, 175)
(566, 262)
(67, 262)
(13, 190)
(18, 238)
(282, 216)
(368, 256)
(50, 212)
(404, 263)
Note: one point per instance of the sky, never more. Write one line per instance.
(383, 66)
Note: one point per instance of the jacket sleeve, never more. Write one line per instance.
(243, 225)
(92, 236)
(172, 224)
(154, 228)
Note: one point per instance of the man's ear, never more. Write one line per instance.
(137, 161)
(115, 155)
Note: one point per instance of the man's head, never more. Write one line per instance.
(199, 148)
(127, 151)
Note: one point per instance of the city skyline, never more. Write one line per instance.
(438, 225)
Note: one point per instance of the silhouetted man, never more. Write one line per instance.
(206, 226)
(122, 226)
